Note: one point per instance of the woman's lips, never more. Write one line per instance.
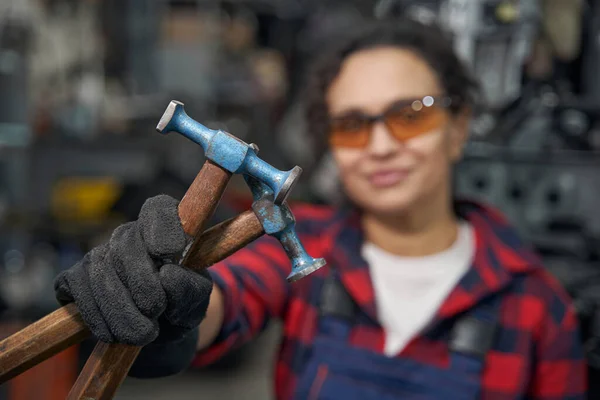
(382, 179)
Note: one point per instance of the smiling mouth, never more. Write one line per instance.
(385, 179)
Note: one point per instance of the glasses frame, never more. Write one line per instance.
(416, 104)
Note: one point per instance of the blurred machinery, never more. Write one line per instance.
(493, 37)
(15, 42)
(508, 44)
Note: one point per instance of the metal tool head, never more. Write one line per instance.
(164, 123)
(304, 268)
(229, 152)
(290, 178)
(281, 182)
(278, 221)
(175, 119)
(259, 190)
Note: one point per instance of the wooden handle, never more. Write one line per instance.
(222, 240)
(108, 366)
(202, 197)
(104, 371)
(41, 340)
(64, 327)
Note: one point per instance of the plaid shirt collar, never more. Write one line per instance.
(500, 254)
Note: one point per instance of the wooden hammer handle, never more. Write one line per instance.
(222, 240)
(41, 340)
(202, 197)
(108, 365)
(64, 327)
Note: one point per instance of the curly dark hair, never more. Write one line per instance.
(427, 41)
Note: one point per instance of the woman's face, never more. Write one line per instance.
(388, 176)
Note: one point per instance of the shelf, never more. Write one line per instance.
(491, 152)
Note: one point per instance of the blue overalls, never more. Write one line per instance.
(337, 371)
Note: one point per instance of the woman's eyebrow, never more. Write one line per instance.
(407, 101)
(354, 111)
(351, 112)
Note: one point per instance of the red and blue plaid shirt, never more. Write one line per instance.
(537, 354)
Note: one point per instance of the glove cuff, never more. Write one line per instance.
(161, 359)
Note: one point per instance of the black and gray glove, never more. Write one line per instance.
(129, 291)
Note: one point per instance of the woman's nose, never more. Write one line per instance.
(382, 142)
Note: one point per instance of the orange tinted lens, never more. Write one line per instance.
(350, 132)
(411, 121)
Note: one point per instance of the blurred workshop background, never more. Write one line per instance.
(83, 84)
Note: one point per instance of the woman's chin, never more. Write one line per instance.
(392, 204)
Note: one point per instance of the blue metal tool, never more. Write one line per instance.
(227, 151)
(279, 222)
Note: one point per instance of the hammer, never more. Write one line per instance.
(64, 327)
(266, 217)
(108, 365)
(227, 151)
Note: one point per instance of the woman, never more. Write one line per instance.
(423, 296)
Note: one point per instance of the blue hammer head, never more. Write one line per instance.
(279, 222)
(229, 152)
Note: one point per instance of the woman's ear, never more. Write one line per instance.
(459, 133)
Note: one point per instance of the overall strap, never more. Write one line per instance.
(337, 309)
(473, 334)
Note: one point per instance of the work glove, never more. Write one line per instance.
(130, 291)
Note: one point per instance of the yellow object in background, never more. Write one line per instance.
(562, 26)
(507, 12)
(84, 199)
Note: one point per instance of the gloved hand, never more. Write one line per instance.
(129, 291)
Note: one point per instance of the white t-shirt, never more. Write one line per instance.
(410, 290)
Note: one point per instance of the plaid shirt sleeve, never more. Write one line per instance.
(560, 370)
(254, 283)
(254, 286)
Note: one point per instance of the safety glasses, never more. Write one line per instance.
(404, 119)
